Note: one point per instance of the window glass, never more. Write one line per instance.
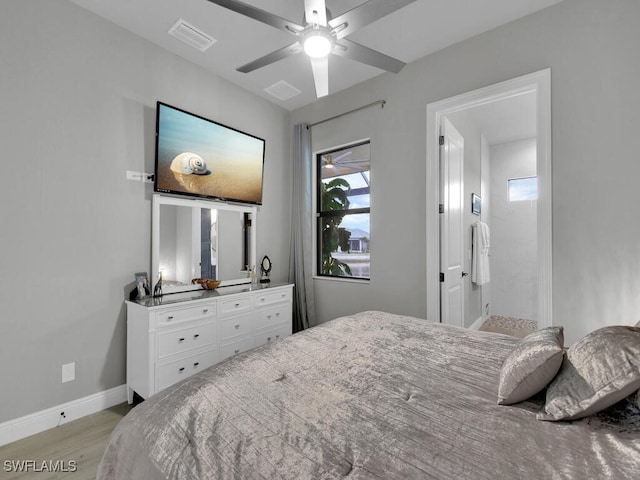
(523, 189)
(343, 200)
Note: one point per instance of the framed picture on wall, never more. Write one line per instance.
(476, 204)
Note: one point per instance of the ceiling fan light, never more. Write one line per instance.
(317, 46)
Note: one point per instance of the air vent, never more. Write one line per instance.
(192, 36)
(282, 90)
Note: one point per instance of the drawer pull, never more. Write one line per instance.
(277, 336)
(180, 340)
(277, 314)
(195, 365)
(205, 310)
(268, 316)
(237, 305)
(268, 339)
(196, 335)
(237, 326)
(181, 369)
(262, 299)
(237, 351)
(170, 317)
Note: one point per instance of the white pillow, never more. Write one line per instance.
(531, 365)
(598, 371)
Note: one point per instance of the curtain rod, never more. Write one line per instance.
(381, 102)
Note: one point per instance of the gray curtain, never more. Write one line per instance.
(300, 260)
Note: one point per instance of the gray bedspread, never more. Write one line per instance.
(372, 395)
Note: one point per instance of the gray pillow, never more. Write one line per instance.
(531, 365)
(598, 371)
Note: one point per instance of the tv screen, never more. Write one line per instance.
(198, 157)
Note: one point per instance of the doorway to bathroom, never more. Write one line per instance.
(506, 186)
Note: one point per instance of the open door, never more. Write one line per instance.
(451, 226)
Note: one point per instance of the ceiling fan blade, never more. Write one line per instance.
(272, 57)
(355, 169)
(364, 14)
(315, 11)
(362, 54)
(355, 160)
(320, 67)
(260, 15)
(343, 155)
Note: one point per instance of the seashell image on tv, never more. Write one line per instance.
(199, 157)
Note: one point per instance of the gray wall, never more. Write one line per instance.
(397, 260)
(77, 98)
(590, 46)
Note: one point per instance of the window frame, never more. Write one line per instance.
(318, 214)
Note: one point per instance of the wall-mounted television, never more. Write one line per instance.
(198, 157)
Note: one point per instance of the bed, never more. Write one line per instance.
(373, 395)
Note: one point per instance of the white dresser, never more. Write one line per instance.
(177, 335)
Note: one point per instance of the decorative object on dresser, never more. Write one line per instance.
(206, 283)
(157, 289)
(265, 267)
(142, 284)
(173, 338)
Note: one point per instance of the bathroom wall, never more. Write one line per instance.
(513, 253)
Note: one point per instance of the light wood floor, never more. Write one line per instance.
(82, 441)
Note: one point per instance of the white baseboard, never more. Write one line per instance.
(476, 325)
(45, 419)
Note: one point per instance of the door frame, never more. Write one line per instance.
(540, 83)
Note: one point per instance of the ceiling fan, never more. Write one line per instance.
(343, 165)
(322, 35)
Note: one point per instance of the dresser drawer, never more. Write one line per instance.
(173, 372)
(235, 348)
(268, 298)
(272, 335)
(233, 327)
(177, 341)
(270, 317)
(234, 305)
(180, 315)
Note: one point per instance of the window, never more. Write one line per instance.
(343, 212)
(525, 188)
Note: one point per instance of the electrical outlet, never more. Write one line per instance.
(68, 372)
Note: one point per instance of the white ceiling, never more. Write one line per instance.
(503, 121)
(408, 34)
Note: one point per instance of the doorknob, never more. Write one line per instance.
(464, 274)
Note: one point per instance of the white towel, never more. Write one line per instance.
(480, 253)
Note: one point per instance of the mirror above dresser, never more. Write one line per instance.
(193, 238)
